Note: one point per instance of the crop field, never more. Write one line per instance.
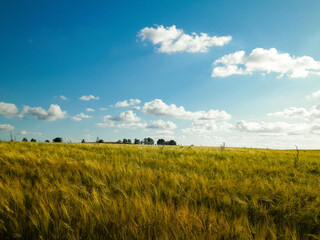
(102, 191)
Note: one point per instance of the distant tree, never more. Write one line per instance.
(148, 141)
(83, 141)
(137, 141)
(57, 140)
(33, 140)
(171, 142)
(161, 142)
(24, 139)
(119, 141)
(100, 141)
(47, 141)
(126, 141)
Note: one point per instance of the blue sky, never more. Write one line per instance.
(201, 72)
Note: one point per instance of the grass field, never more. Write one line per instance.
(101, 191)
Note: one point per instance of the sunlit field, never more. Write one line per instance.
(101, 191)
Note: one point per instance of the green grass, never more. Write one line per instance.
(100, 191)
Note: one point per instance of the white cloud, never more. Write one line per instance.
(158, 108)
(80, 116)
(24, 132)
(53, 113)
(90, 110)
(313, 95)
(171, 40)
(294, 112)
(8, 109)
(276, 127)
(127, 116)
(127, 103)
(63, 97)
(88, 98)
(160, 124)
(132, 125)
(6, 127)
(103, 109)
(265, 61)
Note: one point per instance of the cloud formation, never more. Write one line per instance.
(80, 116)
(278, 127)
(172, 40)
(294, 112)
(158, 108)
(53, 113)
(127, 116)
(63, 97)
(265, 61)
(313, 95)
(131, 125)
(88, 98)
(24, 132)
(127, 103)
(8, 109)
(90, 110)
(6, 127)
(160, 124)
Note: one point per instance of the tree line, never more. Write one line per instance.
(145, 141)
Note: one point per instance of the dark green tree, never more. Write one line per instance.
(24, 139)
(57, 140)
(161, 142)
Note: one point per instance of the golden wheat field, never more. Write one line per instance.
(102, 191)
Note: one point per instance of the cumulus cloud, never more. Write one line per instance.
(7, 127)
(53, 113)
(158, 108)
(127, 103)
(265, 61)
(313, 95)
(80, 116)
(276, 127)
(88, 98)
(89, 109)
(160, 124)
(8, 109)
(294, 112)
(24, 132)
(127, 116)
(172, 40)
(103, 109)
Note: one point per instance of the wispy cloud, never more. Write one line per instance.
(314, 95)
(80, 116)
(265, 61)
(24, 132)
(88, 98)
(90, 110)
(63, 97)
(172, 40)
(7, 127)
(127, 103)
